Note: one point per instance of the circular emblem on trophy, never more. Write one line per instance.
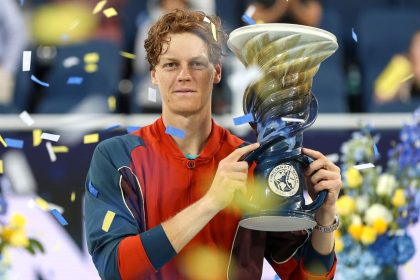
(283, 180)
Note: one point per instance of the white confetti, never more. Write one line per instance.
(50, 137)
(364, 166)
(26, 118)
(152, 94)
(250, 11)
(292, 120)
(70, 61)
(51, 153)
(333, 157)
(26, 61)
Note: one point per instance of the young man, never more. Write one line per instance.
(169, 198)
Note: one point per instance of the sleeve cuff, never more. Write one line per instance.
(157, 246)
(316, 263)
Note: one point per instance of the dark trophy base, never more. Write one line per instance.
(278, 221)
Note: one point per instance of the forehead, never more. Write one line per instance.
(184, 45)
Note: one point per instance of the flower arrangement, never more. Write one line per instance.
(377, 205)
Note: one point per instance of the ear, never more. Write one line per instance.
(153, 76)
(217, 73)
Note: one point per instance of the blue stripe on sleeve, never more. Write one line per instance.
(157, 246)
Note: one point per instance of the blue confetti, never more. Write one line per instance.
(36, 80)
(75, 80)
(14, 143)
(248, 20)
(376, 152)
(59, 217)
(354, 35)
(112, 127)
(132, 128)
(243, 119)
(92, 189)
(3, 206)
(175, 132)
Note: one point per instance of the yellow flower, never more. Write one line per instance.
(368, 235)
(339, 245)
(19, 239)
(380, 226)
(353, 177)
(337, 233)
(345, 205)
(398, 199)
(355, 230)
(17, 221)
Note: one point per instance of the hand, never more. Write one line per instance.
(323, 175)
(231, 176)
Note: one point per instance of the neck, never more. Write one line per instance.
(197, 128)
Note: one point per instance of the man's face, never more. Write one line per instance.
(185, 75)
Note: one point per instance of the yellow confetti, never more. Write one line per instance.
(110, 12)
(73, 197)
(128, 55)
(91, 68)
(91, 138)
(112, 103)
(42, 204)
(3, 142)
(109, 217)
(1, 167)
(92, 57)
(60, 149)
(36, 136)
(99, 6)
(213, 30)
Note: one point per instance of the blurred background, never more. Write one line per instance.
(77, 69)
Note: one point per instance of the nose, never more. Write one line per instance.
(184, 74)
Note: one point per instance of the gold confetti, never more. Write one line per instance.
(92, 57)
(73, 196)
(36, 136)
(91, 68)
(213, 30)
(60, 149)
(109, 217)
(3, 142)
(128, 55)
(1, 167)
(112, 103)
(99, 7)
(91, 138)
(42, 204)
(110, 12)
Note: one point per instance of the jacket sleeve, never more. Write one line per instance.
(305, 264)
(123, 249)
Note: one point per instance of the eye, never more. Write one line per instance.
(198, 65)
(169, 65)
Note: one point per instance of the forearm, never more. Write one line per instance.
(322, 242)
(185, 225)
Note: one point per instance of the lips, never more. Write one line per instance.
(184, 90)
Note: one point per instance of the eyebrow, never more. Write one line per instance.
(191, 59)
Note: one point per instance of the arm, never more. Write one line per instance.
(308, 13)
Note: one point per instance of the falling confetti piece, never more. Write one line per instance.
(51, 153)
(109, 217)
(214, 31)
(1, 167)
(92, 190)
(206, 19)
(60, 149)
(50, 137)
(354, 35)
(243, 119)
(26, 61)
(70, 61)
(92, 57)
(14, 143)
(36, 137)
(26, 118)
(364, 166)
(132, 128)
(3, 142)
(175, 132)
(110, 12)
(152, 94)
(250, 10)
(36, 80)
(248, 20)
(128, 55)
(91, 68)
(91, 138)
(59, 217)
(42, 203)
(73, 196)
(75, 80)
(333, 157)
(112, 103)
(99, 6)
(292, 120)
(376, 152)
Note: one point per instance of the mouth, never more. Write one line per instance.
(184, 91)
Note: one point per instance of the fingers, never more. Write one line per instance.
(238, 153)
(323, 174)
(321, 162)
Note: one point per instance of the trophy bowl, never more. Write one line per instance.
(283, 106)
